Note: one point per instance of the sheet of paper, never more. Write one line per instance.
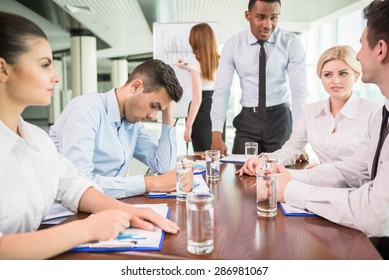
(234, 158)
(295, 211)
(199, 186)
(198, 165)
(134, 237)
(57, 214)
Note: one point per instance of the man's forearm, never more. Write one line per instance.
(167, 115)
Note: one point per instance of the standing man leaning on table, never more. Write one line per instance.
(364, 202)
(101, 133)
(270, 125)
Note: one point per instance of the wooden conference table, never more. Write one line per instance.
(240, 234)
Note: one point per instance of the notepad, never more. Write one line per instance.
(199, 186)
(132, 239)
(288, 210)
(235, 158)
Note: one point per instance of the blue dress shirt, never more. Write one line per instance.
(91, 134)
(285, 62)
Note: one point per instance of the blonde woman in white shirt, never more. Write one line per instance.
(334, 127)
(32, 174)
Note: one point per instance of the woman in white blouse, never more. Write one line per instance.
(32, 174)
(202, 68)
(334, 127)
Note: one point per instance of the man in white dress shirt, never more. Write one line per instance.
(285, 68)
(348, 192)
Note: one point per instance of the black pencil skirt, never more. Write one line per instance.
(202, 126)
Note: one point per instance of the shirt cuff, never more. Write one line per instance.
(135, 185)
(121, 187)
(296, 192)
(299, 175)
(217, 126)
(168, 131)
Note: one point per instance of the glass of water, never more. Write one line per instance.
(200, 223)
(212, 160)
(251, 149)
(184, 180)
(267, 187)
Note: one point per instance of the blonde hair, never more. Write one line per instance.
(344, 53)
(204, 47)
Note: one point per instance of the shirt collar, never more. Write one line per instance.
(113, 107)
(10, 138)
(114, 112)
(253, 40)
(349, 110)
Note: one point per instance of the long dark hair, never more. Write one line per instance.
(204, 46)
(14, 32)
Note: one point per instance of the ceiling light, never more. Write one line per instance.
(78, 9)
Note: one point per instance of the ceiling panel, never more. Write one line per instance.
(58, 37)
(229, 15)
(125, 25)
(120, 23)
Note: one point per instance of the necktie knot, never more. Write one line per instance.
(261, 42)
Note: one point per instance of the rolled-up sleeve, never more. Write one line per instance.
(71, 185)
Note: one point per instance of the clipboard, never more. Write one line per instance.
(288, 210)
(133, 239)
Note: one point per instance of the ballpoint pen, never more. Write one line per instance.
(112, 244)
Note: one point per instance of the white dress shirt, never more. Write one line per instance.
(362, 204)
(194, 64)
(285, 60)
(331, 138)
(32, 176)
(91, 134)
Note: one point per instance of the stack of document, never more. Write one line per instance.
(132, 239)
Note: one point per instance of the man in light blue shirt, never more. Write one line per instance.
(101, 133)
(285, 62)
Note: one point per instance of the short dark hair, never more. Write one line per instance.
(377, 16)
(14, 31)
(156, 74)
(252, 2)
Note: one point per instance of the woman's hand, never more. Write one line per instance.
(250, 167)
(188, 134)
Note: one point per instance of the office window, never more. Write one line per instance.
(350, 27)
